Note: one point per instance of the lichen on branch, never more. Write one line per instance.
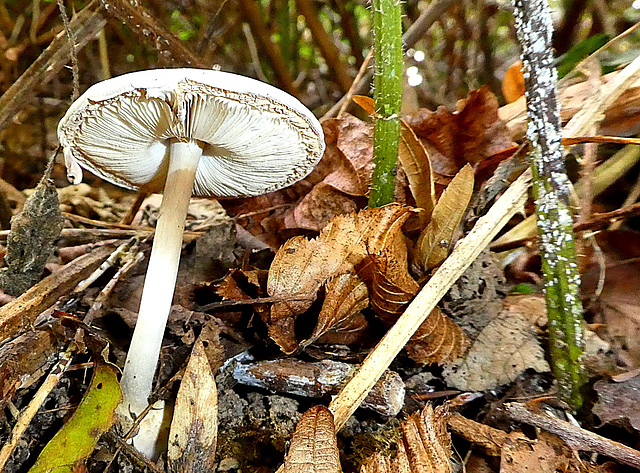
(551, 191)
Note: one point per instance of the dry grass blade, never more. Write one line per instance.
(434, 242)
(314, 447)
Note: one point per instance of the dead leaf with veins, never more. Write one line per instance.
(301, 266)
(469, 135)
(340, 319)
(503, 350)
(434, 243)
(314, 447)
(194, 427)
(425, 446)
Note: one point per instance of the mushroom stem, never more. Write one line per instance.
(159, 284)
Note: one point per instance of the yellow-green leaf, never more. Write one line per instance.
(435, 240)
(73, 444)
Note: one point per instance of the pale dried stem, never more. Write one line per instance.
(467, 250)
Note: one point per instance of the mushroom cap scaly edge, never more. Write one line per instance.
(255, 138)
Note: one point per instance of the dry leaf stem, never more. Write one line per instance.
(387, 33)
(551, 190)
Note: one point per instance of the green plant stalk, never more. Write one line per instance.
(551, 191)
(387, 33)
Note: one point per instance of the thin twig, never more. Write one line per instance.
(75, 71)
(352, 90)
(32, 408)
(575, 437)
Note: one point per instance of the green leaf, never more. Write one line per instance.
(73, 444)
(524, 289)
(578, 52)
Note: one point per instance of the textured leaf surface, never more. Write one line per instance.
(194, 427)
(73, 444)
(425, 446)
(434, 242)
(314, 447)
(504, 349)
(346, 295)
(301, 266)
(438, 340)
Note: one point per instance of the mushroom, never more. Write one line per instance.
(183, 130)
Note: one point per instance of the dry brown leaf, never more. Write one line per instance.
(194, 427)
(302, 266)
(504, 349)
(618, 401)
(414, 159)
(425, 446)
(435, 240)
(392, 287)
(469, 135)
(345, 296)
(319, 206)
(546, 454)
(438, 340)
(314, 447)
(229, 289)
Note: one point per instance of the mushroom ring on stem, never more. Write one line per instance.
(186, 131)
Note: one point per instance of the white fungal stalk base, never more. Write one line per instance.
(157, 295)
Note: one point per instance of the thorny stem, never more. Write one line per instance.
(387, 32)
(551, 191)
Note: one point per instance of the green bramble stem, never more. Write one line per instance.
(387, 33)
(551, 191)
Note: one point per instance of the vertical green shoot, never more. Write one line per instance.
(387, 33)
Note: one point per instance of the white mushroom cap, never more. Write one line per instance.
(255, 137)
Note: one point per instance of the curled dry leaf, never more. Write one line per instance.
(435, 240)
(392, 287)
(346, 295)
(194, 427)
(314, 447)
(504, 349)
(438, 340)
(301, 266)
(425, 446)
